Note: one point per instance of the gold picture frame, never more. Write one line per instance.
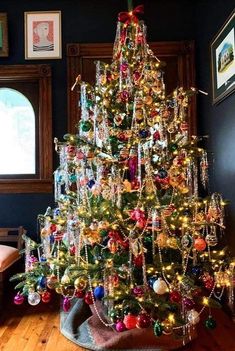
(42, 35)
(223, 61)
(3, 35)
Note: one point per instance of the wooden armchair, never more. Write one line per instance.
(9, 254)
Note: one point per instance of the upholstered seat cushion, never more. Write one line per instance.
(8, 255)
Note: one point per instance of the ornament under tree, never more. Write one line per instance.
(132, 248)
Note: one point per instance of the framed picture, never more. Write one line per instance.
(3, 35)
(42, 35)
(223, 61)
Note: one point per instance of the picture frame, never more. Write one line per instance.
(3, 35)
(42, 35)
(223, 61)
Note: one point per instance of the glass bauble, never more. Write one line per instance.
(193, 317)
(160, 286)
(34, 298)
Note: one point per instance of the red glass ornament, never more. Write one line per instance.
(53, 228)
(138, 261)
(199, 244)
(156, 135)
(143, 320)
(136, 75)
(79, 294)
(141, 223)
(184, 126)
(209, 284)
(175, 296)
(130, 321)
(72, 250)
(46, 297)
(88, 298)
(135, 184)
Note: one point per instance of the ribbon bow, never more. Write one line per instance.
(127, 17)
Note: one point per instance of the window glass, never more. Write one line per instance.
(17, 133)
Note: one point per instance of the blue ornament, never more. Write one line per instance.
(162, 173)
(91, 183)
(99, 292)
(144, 133)
(52, 239)
(151, 281)
(42, 282)
(57, 211)
(196, 270)
(73, 178)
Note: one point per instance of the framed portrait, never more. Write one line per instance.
(42, 35)
(223, 61)
(3, 34)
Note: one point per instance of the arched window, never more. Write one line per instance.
(25, 129)
(17, 141)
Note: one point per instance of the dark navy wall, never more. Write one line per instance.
(83, 21)
(87, 21)
(216, 121)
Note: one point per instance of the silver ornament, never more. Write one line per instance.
(34, 298)
(193, 317)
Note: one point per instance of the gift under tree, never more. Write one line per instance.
(129, 238)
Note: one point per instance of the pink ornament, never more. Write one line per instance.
(18, 299)
(138, 291)
(80, 155)
(124, 96)
(200, 244)
(124, 67)
(120, 326)
(188, 303)
(66, 304)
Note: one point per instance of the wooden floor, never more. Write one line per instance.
(27, 328)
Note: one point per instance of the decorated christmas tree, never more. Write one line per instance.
(129, 236)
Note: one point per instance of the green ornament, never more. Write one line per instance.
(103, 232)
(172, 147)
(86, 126)
(210, 323)
(157, 328)
(113, 139)
(89, 103)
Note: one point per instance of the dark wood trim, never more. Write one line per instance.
(184, 50)
(42, 74)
